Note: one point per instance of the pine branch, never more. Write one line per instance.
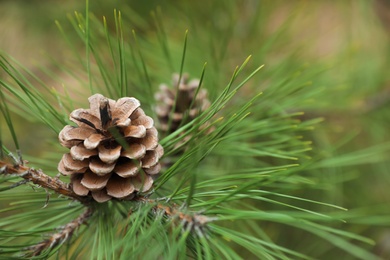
(192, 221)
(41, 179)
(64, 234)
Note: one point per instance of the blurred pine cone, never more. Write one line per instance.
(114, 150)
(187, 106)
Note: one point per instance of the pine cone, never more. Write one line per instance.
(183, 112)
(114, 150)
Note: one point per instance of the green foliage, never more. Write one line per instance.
(256, 179)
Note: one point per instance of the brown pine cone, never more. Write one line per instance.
(183, 112)
(114, 150)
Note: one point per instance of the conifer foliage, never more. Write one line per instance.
(217, 165)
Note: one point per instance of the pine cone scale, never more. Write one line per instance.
(72, 165)
(142, 183)
(109, 155)
(134, 151)
(126, 106)
(136, 131)
(74, 133)
(100, 196)
(153, 170)
(160, 151)
(137, 113)
(83, 118)
(119, 187)
(94, 182)
(146, 121)
(127, 169)
(78, 188)
(150, 159)
(79, 152)
(94, 104)
(61, 168)
(150, 140)
(93, 141)
(99, 167)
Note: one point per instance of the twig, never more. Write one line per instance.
(192, 221)
(65, 233)
(40, 178)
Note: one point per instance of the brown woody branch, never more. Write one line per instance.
(65, 233)
(193, 221)
(41, 179)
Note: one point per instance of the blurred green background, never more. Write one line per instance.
(343, 47)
